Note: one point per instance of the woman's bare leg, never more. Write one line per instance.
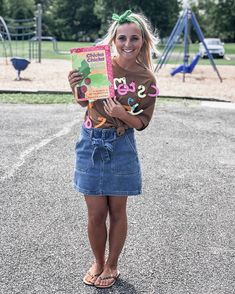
(97, 208)
(117, 236)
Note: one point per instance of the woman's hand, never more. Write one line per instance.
(74, 78)
(114, 108)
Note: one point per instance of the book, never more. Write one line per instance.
(96, 65)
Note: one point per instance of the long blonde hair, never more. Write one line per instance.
(150, 40)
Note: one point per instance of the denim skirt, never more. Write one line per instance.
(107, 164)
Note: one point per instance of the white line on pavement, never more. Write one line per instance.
(224, 105)
(36, 147)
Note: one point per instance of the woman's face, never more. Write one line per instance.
(128, 41)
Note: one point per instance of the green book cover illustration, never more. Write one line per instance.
(96, 66)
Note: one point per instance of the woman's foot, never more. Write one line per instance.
(93, 273)
(107, 278)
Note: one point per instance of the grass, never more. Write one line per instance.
(21, 49)
(28, 98)
(193, 48)
(25, 98)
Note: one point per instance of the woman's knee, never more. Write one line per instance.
(117, 209)
(97, 209)
(97, 217)
(117, 216)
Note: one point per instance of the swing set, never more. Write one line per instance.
(16, 35)
(182, 25)
(21, 40)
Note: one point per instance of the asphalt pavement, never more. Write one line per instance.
(181, 229)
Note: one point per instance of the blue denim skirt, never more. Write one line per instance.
(107, 164)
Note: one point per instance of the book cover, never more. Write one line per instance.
(96, 65)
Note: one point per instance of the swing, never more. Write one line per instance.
(20, 32)
(188, 68)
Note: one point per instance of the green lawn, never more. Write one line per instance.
(28, 98)
(25, 98)
(21, 49)
(193, 48)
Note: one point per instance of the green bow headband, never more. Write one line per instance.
(125, 18)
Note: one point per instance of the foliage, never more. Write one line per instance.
(86, 20)
(225, 20)
(73, 21)
(3, 8)
(162, 13)
(216, 18)
(21, 9)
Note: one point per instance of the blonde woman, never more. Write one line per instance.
(107, 168)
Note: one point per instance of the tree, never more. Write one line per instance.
(21, 9)
(3, 8)
(162, 13)
(216, 18)
(224, 20)
(73, 20)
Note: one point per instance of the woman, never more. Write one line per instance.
(107, 168)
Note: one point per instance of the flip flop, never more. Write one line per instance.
(92, 276)
(106, 278)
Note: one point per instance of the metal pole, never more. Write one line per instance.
(39, 31)
(171, 42)
(201, 38)
(185, 42)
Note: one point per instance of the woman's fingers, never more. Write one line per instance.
(110, 103)
(106, 107)
(75, 75)
(74, 78)
(115, 100)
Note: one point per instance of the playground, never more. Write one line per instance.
(51, 75)
(34, 71)
(181, 228)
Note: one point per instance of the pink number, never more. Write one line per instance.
(87, 123)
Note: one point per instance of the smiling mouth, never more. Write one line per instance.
(128, 51)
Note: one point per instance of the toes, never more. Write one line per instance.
(89, 279)
(100, 282)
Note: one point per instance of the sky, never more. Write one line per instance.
(185, 2)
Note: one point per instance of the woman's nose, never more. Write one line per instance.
(128, 43)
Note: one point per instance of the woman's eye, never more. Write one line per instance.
(121, 38)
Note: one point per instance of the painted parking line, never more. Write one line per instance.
(224, 105)
(26, 153)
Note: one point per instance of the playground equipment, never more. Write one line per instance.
(19, 64)
(188, 68)
(183, 25)
(5, 38)
(21, 40)
(17, 33)
(23, 37)
(46, 38)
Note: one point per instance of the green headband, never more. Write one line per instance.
(125, 18)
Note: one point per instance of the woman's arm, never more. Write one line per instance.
(131, 120)
(74, 78)
(115, 109)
